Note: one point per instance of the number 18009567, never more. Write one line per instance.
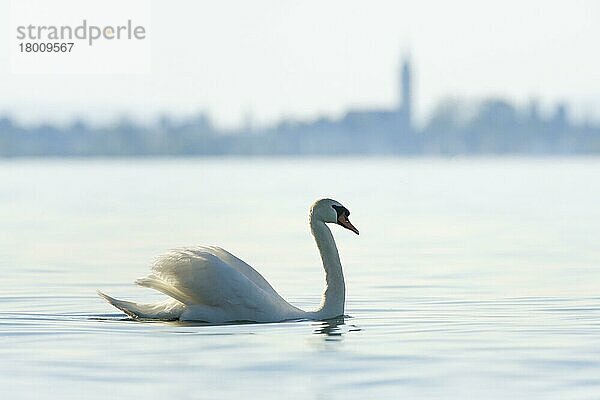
(44, 47)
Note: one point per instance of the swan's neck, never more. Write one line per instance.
(334, 296)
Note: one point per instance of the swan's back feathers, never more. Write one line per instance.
(212, 277)
(208, 284)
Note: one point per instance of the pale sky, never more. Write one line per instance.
(302, 59)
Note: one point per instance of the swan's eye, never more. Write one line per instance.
(341, 211)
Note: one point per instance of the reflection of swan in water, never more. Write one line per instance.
(334, 327)
(210, 284)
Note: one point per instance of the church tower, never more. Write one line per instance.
(405, 92)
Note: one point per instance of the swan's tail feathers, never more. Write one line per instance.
(167, 311)
(154, 282)
(129, 308)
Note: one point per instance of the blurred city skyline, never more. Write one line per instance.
(493, 126)
(272, 61)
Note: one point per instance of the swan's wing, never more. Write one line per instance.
(196, 276)
(242, 267)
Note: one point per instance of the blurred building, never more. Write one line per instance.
(395, 121)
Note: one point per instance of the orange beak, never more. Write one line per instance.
(345, 222)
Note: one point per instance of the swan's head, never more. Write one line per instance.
(331, 211)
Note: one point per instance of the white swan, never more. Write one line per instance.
(212, 285)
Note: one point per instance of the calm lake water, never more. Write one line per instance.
(471, 278)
